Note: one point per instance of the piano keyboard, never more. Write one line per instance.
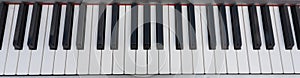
(71, 38)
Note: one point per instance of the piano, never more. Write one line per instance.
(149, 38)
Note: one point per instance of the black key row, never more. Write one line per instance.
(68, 26)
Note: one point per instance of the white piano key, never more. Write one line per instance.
(24, 57)
(295, 52)
(232, 67)
(275, 56)
(242, 55)
(36, 55)
(286, 58)
(60, 54)
(141, 54)
(198, 63)
(106, 61)
(83, 55)
(95, 55)
(72, 54)
(295, 56)
(208, 55)
(153, 52)
(175, 60)
(252, 54)
(12, 55)
(164, 55)
(220, 55)
(263, 53)
(48, 56)
(141, 61)
(186, 53)
(6, 38)
(129, 54)
(118, 55)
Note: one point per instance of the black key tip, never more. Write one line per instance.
(113, 47)
(52, 46)
(159, 46)
(17, 45)
(66, 46)
(256, 46)
(225, 48)
(133, 46)
(193, 47)
(289, 46)
(147, 46)
(179, 47)
(100, 47)
(32, 46)
(79, 46)
(270, 46)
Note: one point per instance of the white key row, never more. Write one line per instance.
(126, 61)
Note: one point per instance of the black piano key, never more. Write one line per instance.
(68, 27)
(223, 27)
(296, 20)
(55, 22)
(286, 27)
(20, 26)
(159, 27)
(101, 27)
(267, 25)
(34, 26)
(114, 27)
(147, 28)
(191, 27)
(211, 27)
(81, 27)
(134, 27)
(256, 40)
(3, 16)
(178, 27)
(235, 27)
